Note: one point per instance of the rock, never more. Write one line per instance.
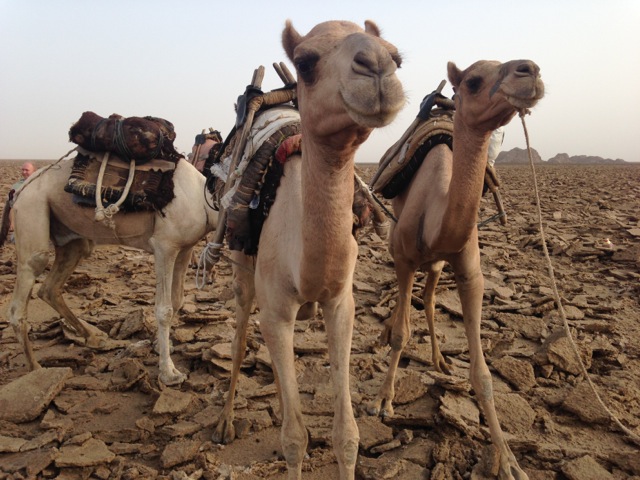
(32, 463)
(514, 412)
(92, 452)
(518, 373)
(172, 401)
(373, 432)
(585, 468)
(462, 412)
(409, 387)
(179, 452)
(449, 301)
(582, 402)
(10, 444)
(27, 397)
(559, 352)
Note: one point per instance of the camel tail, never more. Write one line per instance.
(6, 223)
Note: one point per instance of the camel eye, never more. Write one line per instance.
(306, 65)
(474, 84)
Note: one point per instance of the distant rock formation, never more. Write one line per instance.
(519, 156)
(563, 158)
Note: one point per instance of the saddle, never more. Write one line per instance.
(248, 204)
(134, 138)
(401, 161)
(151, 188)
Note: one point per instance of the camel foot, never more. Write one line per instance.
(95, 338)
(442, 365)
(380, 407)
(172, 377)
(498, 464)
(225, 432)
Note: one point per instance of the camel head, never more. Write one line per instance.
(488, 93)
(346, 77)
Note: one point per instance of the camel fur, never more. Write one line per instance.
(437, 223)
(346, 87)
(44, 212)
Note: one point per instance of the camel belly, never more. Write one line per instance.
(133, 229)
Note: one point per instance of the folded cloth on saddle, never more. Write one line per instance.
(409, 156)
(133, 138)
(151, 190)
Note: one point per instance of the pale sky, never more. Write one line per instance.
(187, 61)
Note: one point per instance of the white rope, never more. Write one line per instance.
(632, 436)
(105, 215)
(209, 257)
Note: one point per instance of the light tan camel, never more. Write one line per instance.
(44, 211)
(346, 87)
(436, 223)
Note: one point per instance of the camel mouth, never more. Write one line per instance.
(519, 102)
(379, 106)
(526, 96)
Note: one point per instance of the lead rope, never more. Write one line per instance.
(632, 436)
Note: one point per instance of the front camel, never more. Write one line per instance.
(346, 86)
(436, 223)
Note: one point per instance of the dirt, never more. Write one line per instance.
(92, 414)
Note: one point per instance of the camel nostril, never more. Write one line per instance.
(364, 63)
(526, 69)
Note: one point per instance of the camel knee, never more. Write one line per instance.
(38, 262)
(164, 316)
(243, 292)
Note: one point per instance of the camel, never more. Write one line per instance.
(346, 87)
(436, 223)
(44, 211)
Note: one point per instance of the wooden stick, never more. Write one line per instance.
(256, 81)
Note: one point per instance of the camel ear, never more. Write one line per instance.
(371, 28)
(454, 73)
(290, 39)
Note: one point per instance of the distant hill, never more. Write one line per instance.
(518, 156)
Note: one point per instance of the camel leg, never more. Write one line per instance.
(396, 334)
(244, 290)
(276, 324)
(179, 275)
(30, 266)
(165, 261)
(429, 299)
(66, 260)
(339, 318)
(470, 283)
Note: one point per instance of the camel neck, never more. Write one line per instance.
(327, 182)
(470, 149)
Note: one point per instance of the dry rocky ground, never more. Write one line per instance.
(103, 415)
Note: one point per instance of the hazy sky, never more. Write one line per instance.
(187, 61)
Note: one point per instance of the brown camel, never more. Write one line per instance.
(436, 223)
(45, 212)
(346, 87)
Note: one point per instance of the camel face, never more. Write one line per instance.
(360, 89)
(489, 93)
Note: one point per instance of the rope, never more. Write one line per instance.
(210, 255)
(103, 214)
(632, 436)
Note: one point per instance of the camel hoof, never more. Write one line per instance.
(381, 408)
(225, 432)
(174, 378)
